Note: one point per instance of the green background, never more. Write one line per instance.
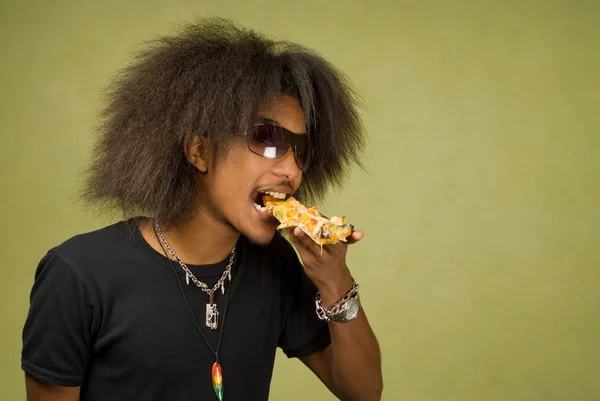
(480, 263)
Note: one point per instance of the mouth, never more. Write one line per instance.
(258, 199)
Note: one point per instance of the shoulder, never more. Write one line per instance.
(98, 242)
(87, 253)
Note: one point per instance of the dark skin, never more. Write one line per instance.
(351, 366)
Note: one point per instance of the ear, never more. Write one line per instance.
(197, 153)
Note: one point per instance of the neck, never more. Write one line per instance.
(197, 242)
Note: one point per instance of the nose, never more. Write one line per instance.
(287, 167)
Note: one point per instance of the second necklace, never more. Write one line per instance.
(212, 312)
(217, 371)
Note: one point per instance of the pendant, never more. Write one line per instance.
(212, 314)
(217, 380)
(187, 279)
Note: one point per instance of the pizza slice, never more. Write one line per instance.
(319, 228)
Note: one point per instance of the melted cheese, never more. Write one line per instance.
(320, 229)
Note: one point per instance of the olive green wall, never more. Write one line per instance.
(480, 264)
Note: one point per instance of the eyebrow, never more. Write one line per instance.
(269, 120)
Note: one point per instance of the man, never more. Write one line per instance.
(189, 296)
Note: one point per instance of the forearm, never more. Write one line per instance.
(356, 358)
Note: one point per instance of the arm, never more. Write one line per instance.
(351, 365)
(56, 333)
(38, 391)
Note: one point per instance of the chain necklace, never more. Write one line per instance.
(212, 313)
(217, 371)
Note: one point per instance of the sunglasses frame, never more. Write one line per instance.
(292, 139)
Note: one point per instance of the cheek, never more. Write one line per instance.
(234, 178)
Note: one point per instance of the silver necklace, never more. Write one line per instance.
(212, 313)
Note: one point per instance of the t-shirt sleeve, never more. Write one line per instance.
(303, 332)
(57, 331)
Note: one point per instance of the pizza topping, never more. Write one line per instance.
(292, 213)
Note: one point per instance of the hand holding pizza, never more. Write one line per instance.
(321, 242)
(326, 264)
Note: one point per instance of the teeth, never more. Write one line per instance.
(260, 208)
(277, 195)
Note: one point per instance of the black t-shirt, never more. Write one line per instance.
(107, 314)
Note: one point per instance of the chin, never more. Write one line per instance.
(259, 227)
(260, 237)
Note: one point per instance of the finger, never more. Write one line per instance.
(298, 232)
(307, 242)
(355, 237)
(298, 237)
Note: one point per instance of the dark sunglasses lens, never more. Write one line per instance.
(268, 140)
(301, 150)
(300, 159)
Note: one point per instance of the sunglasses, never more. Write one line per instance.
(272, 141)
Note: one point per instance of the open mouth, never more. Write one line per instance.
(258, 199)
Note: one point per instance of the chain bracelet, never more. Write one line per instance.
(340, 306)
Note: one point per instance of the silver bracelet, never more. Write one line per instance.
(345, 310)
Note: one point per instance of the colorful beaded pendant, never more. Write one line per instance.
(211, 318)
(217, 380)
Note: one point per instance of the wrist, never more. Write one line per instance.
(343, 310)
(333, 292)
